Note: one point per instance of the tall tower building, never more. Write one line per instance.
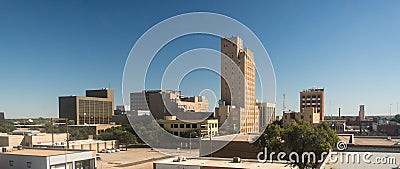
(361, 113)
(238, 83)
(313, 98)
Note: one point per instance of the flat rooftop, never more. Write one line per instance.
(371, 141)
(40, 152)
(233, 137)
(76, 142)
(222, 163)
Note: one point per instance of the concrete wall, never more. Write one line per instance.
(170, 166)
(20, 162)
(43, 138)
(11, 140)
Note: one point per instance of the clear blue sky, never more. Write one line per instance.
(53, 48)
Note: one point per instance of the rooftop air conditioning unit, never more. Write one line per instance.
(236, 160)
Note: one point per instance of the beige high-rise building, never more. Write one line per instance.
(238, 89)
(313, 98)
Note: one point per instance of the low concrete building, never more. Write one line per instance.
(215, 163)
(309, 114)
(229, 146)
(92, 145)
(177, 127)
(30, 140)
(389, 129)
(47, 159)
(339, 126)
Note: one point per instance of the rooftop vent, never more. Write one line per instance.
(236, 160)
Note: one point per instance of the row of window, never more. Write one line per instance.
(292, 116)
(28, 164)
(313, 96)
(184, 126)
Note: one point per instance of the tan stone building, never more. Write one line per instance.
(238, 84)
(163, 103)
(313, 98)
(97, 107)
(177, 127)
(194, 104)
(309, 114)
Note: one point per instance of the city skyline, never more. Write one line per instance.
(63, 48)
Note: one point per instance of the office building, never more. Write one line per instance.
(97, 107)
(238, 85)
(313, 98)
(361, 112)
(266, 114)
(162, 103)
(122, 109)
(47, 159)
(2, 116)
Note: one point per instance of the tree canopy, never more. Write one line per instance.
(300, 137)
(123, 136)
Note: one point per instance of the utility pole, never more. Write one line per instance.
(52, 132)
(390, 110)
(66, 123)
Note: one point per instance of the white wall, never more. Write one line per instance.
(176, 166)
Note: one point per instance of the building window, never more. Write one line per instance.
(175, 125)
(187, 125)
(194, 126)
(182, 126)
(172, 125)
(302, 117)
(11, 163)
(28, 164)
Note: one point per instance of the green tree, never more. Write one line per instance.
(123, 136)
(6, 127)
(301, 137)
(190, 134)
(80, 133)
(270, 139)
